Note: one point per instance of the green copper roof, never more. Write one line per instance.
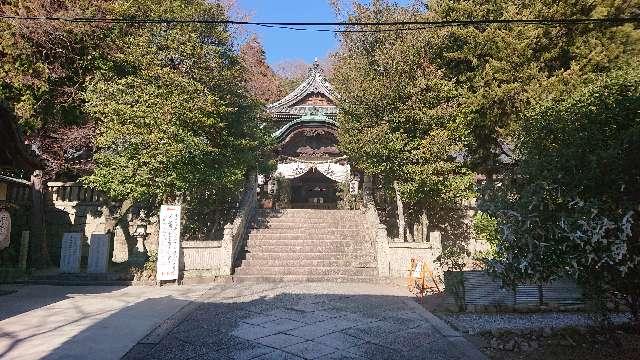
(305, 119)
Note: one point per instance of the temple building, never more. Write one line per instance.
(310, 166)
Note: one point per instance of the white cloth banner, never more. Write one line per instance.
(336, 172)
(293, 169)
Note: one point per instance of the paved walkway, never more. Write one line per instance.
(84, 322)
(304, 321)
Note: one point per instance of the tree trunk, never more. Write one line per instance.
(39, 245)
(424, 222)
(401, 223)
(115, 216)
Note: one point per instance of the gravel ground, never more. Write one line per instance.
(481, 322)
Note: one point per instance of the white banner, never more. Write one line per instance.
(169, 243)
(334, 171)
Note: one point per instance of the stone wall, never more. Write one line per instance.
(401, 253)
(394, 257)
(71, 207)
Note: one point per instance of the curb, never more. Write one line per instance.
(466, 349)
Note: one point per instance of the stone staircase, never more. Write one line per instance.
(307, 245)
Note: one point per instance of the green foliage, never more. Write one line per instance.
(396, 117)
(175, 121)
(570, 205)
(413, 101)
(485, 229)
(45, 64)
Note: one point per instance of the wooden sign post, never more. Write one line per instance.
(169, 243)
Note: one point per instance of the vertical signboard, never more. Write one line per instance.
(98, 253)
(70, 253)
(169, 243)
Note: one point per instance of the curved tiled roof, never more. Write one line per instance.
(314, 83)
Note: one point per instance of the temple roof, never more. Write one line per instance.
(307, 120)
(296, 103)
(14, 154)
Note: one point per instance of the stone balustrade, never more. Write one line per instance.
(216, 257)
(394, 257)
(72, 192)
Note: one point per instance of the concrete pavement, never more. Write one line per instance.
(224, 321)
(305, 321)
(83, 322)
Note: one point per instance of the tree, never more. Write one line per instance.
(43, 75)
(261, 80)
(570, 206)
(175, 120)
(412, 101)
(398, 119)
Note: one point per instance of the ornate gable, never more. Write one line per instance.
(314, 94)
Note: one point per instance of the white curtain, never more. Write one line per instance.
(336, 172)
(293, 169)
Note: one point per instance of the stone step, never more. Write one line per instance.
(304, 278)
(331, 271)
(291, 249)
(309, 256)
(307, 231)
(311, 237)
(303, 228)
(296, 263)
(311, 241)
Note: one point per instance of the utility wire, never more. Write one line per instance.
(311, 26)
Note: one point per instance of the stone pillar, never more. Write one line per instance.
(24, 250)
(382, 244)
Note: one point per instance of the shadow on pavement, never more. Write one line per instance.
(31, 297)
(236, 323)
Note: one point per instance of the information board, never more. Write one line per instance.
(169, 243)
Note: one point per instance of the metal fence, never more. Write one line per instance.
(480, 289)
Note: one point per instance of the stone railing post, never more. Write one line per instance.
(376, 230)
(227, 251)
(235, 232)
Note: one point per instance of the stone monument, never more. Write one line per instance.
(98, 253)
(70, 253)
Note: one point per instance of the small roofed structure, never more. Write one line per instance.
(13, 154)
(16, 163)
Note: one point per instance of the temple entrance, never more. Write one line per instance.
(313, 190)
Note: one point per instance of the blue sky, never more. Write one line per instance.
(288, 44)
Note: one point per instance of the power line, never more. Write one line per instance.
(311, 26)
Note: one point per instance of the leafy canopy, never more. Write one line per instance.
(174, 118)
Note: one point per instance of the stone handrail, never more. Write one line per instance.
(376, 231)
(72, 192)
(235, 233)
